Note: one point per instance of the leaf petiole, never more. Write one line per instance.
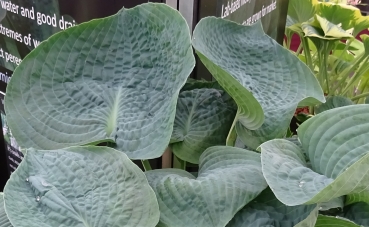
(146, 165)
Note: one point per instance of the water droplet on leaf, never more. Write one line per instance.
(301, 183)
(38, 199)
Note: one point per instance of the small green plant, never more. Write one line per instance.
(92, 98)
(328, 32)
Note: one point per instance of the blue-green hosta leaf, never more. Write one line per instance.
(329, 221)
(203, 119)
(337, 146)
(115, 79)
(4, 221)
(266, 210)
(238, 143)
(358, 213)
(228, 179)
(266, 81)
(333, 102)
(332, 204)
(80, 187)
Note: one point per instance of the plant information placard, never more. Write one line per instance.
(272, 14)
(23, 25)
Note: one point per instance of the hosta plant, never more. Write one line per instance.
(89, 100)
(330, 45)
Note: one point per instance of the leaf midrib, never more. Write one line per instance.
(112, 120)
(190, 116)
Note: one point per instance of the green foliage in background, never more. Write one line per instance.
(331, 45)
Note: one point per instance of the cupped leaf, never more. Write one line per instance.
(266, 210)
(342, 14)
(4, 220)
(321, 28)
(115, 79)
(332, 30)
(336, 144)
(266, 81)
(203, 119)
(349, 17)
(329, 221)
(336, 140)
(333, 102)
(228, 179)
(286, 171)
(358, 213)
(81, 187)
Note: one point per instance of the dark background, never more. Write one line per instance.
(364, 7)
(96, 8)
(273, 22)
